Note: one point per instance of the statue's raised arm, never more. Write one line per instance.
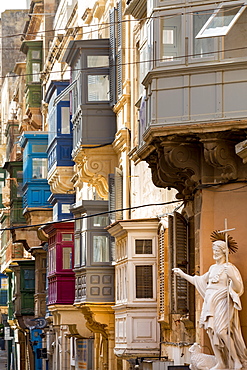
(221, 288)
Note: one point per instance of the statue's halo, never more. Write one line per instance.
(231, 243)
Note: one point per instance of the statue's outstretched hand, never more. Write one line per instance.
(178, 271)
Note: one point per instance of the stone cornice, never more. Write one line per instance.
(93, 165)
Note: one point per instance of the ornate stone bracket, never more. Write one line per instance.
(175, 164)
(92, 324)
(184, 162)
(220, 154)
(60, 180)
(93, 166)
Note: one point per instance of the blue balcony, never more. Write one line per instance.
(36, 190)
(60, 139)
(61, 206)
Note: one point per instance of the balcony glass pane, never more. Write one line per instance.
(65, 120)
(67, 258)
(101, 248)
(4, 283)
(171, 39)
(36, 72)
(98, 88)
(143, 246)
(65, 208)
(39, 168)
(67, 237)
(94, 61)
(144, 281)
(201, 47)
(77, 251)
(83, 249)
(100, 221)
(52, 259)
(39, 148)
(29, 276)
(35, 54)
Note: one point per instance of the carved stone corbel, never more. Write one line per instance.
(175, 164)
(60, 180)
(220, 153)
(93, 167)
(92, 324)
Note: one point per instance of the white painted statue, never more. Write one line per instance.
(221, 288)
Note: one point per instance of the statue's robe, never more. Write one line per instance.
(220, 311)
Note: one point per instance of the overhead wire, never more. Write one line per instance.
(108, 24)
(163, 59)
(88, 216)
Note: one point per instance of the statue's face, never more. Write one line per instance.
(217, 251)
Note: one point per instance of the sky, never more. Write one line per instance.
(12, 4)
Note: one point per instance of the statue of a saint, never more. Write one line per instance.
(221, 288)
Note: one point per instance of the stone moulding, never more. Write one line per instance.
(93, 165)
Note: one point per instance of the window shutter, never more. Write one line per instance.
(116, 195)
(113, 56)
(178, 246)
(119, 193)
(111, 202)
(161, 262)
(119, 49)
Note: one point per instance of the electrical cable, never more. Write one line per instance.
(108, 24)
(89, 216)
(169, 63)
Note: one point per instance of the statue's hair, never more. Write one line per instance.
(216, 235)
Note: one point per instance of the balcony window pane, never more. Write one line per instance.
(39, 168)
(201, 47)
(77, 251)
(67, 237)
(100, 248)
(171, 38)
(4, 283)
(29, 281)
(65, 120)
(77, 224)
(39, 148)
(52, 259)
(83, 249)
(94, 61)
(144, 281)
(36, 72)
(65, 208)
(98, 88)
(67, 258)
(35, 54)
(143, 246)
(100, 221)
